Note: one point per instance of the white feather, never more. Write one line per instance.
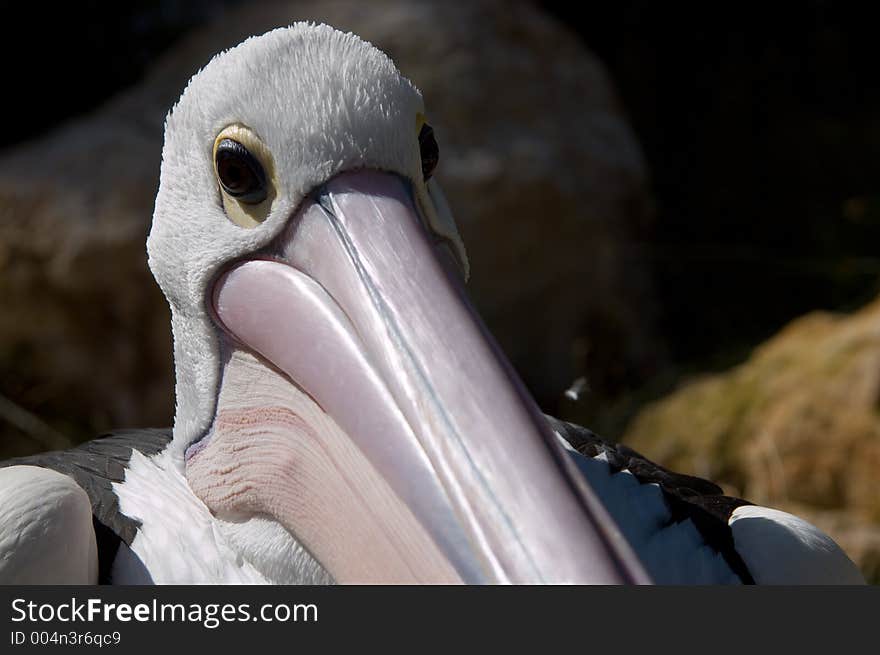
(180, 542)
(780, 548)
(46, 533)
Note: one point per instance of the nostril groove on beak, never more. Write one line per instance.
(321, 196)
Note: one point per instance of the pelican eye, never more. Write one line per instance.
(429, 149)
(240, 173)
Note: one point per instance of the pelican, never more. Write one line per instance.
(342, 414)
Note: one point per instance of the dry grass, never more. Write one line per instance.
(796, 426)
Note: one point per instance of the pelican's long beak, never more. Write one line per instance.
(454, 468)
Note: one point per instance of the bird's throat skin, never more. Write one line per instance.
(395, 442)
(270, 442)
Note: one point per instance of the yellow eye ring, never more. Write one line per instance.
(245, 174)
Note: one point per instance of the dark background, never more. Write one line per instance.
(760, 126)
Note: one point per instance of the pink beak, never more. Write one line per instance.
(357, 306)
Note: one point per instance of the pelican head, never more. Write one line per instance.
(332, 379)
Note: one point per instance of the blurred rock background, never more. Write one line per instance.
(648, 195)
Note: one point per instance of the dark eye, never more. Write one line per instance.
(429, 149)
(240, 174)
